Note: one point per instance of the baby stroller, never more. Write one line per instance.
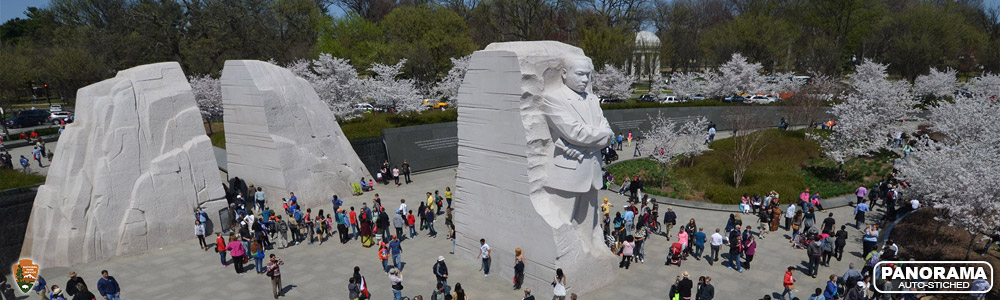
(675, 254)
(800, 241)
(610, 155)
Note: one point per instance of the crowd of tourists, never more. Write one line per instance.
(74, 289)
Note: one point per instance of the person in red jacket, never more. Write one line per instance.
(789, 283)
(220, 247)
(411, 221)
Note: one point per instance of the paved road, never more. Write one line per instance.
(321, 271)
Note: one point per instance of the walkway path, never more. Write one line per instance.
(321, 271)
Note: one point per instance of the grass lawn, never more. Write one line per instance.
(790, 163)
(10, 179)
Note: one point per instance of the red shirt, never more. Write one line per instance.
(789, 281)
(410, 220)
(354, 217)
(220, 244)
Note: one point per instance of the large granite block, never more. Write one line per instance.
(528, 155)
(282, 137)
(128, 173)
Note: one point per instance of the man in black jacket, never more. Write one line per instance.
(669, 220)
(71, 284)
(383, 223)
(707, 291)
(684, 287)
(441, 272)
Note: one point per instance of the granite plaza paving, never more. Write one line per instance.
(183, 271)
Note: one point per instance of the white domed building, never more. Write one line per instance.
(645, 61)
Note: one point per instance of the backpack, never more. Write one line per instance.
(283, 226)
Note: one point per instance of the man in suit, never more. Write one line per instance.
(579, 132)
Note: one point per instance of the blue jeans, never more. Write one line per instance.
(397, 294)
(734, 261)
(699, 250)
(397, 260)
(413, 232)
(385, 265)
(113, 297)
(223, 255)
(354, 231)
(787, 291)
(258, 264)
(486, 265)
(431, 227)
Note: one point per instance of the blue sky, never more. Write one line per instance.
(10, 9)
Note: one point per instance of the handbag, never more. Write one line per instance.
(398, 286)
(270, 273)
(260, 254)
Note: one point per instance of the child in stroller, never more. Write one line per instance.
(674, 256)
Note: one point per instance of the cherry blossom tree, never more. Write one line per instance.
(448, 87)
(874, 108)
(808, 104)
(936, 84)
(668, 139)
(387, 89)
(686, 84)
(659, 85)
(613, 83)
(958, 174)
(208, 95)
(334, 79)
(784, 83)
(987, 85)
(740, 76)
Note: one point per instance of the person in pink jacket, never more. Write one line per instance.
(749, 249)
(236, 250)
(682, 237)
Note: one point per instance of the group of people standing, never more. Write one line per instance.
(75, 289)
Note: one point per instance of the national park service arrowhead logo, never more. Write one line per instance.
(25, 273)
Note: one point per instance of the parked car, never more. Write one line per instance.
(435, 104)
(698, 97)
(647, 98)
(58, 116)
(23, 121)
(31, 117)
(55, 107)
(759, 99)
(360, 108)
(611, 100)
(670, 99)
(735, 99)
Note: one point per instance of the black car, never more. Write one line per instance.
(29, 118)
(735, 99)
(647, 98)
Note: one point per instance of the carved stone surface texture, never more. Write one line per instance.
(128, 173)
(282, 137)
(505, 148)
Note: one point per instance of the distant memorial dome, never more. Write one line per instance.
(644, 63)
(646, 39)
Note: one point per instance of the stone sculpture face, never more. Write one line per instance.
(576, 73)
